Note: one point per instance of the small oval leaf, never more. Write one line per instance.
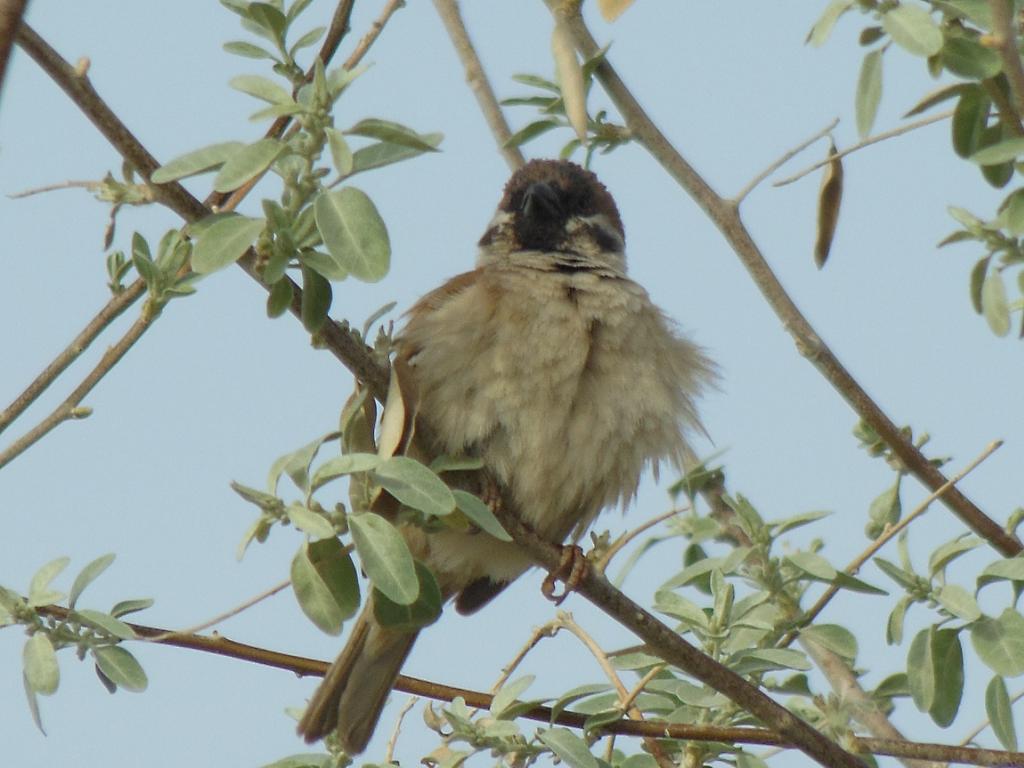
(120, 667)
(223, 243)
(385, 557)
(247, 163)
(354, 233)
(415, 486)
(195, 162)
(42, 672)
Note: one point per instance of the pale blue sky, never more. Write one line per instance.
(215, 391)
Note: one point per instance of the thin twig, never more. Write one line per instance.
(11, 13)
(888, 535)
(626, 697)
(222, 617)
(601, 564)
(725, 215)
(478, 82)
(539, 633)
(742, 194)
(110, 312)
(304, 666)
(69, 409)
(652, 673)
(389, 752)
(866, 143)
(367, 41)
(1004, 37)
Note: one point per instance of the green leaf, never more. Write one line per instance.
(295, 465)
(354, 233)
(1000, 714)
(1001, 152)
(341, 154)
(978, 273)
(937, 97)
(323, 263)
(508, 693)
(87, 576)
(280, 298)
(295, 9)
(531, 131)
(968, 58)
(1009, 569)
(772, 658)
(999, 643)
(120, 667)
(790, 523)
(198, 161)
(39, 592)
(303, 760)
(385, 557)
(869, 92)
(822, 28)
(913, 29)
(316, 299)
(1013, 210)
(978, 12)
(311, 523)
(950, 551)
(269, 18)
(894, 627)
(343, 465)
(42, 673)
(261, 88)
(835, 638)
(994, 303)
(570, 748)
(325, 583)
(393, 133)
(124, 607)
(948, 658)
(247, 163)
(480, 515)
(813, 565)
(415, 486)
(224, 242)
(385, 153)
(959, 602)
(106, 623)
(421, 612)
(921, 671)
(248, 50)
(307, 39)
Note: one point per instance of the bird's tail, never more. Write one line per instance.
(356, 686)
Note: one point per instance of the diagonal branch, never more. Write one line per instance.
(1005, 40)
(448, 10)
(11, 12)
(303, 666)
(726, 217)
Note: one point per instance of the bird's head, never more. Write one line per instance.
(557, 208)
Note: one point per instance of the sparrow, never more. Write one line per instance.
(553, 367)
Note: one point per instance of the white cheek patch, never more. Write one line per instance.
(608, 230)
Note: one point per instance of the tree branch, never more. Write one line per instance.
(11, 12)
(1005, 39)
(785, 158)
(110, 312)
(303, 666)
(478, 82)
(69, 409)
(899, 131)
(725, 216)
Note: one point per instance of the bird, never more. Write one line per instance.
(555, 369)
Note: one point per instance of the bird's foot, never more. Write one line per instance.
(570, 572)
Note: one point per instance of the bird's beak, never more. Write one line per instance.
(540, 201)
